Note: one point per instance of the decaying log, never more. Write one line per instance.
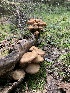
(8, 63)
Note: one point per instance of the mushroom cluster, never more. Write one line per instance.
(29, 63)
(33, 58)
(36, 26)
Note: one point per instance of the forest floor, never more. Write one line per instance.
(55, 41)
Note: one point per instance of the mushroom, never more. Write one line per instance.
(36, 34)
(28, 57)
(38, 59)
(30, 27)
(33, 48)
(32, 68)
(18, 74)
(35, 27)
(31, 21)
(44, 23)
(38, 20)
(35, 23)
(39, 51)
(40, 27)
(41, 23)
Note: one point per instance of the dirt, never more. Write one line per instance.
(57, 66)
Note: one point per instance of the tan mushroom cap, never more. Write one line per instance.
(32, 68)
(44, 23)
(38, 20)
(35, 23)
(30, 27)
(38, 59)
(41, 23)
(35, 26)
(39, 51)
(28, 57)
(33, 48)
(31, 21)
(18, 74)
(40, 27)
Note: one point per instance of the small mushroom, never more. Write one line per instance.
(35, 27)
(32, 68)
(30, 27)
(41, 23)
(33, 48)
(31, 21)
(40, 28)
(38, 20)
(44, 23)
(36, 34)
(39, 51)
(18, 74)
(38, 59)
(28, 57)
(35, 23)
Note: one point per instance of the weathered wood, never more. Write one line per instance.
(8, 63)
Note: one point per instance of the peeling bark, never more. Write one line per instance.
(8, 63)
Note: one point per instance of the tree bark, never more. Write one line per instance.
(8, 63)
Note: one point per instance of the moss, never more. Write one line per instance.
(4, 53)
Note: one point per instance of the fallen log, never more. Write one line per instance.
(8, 63)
